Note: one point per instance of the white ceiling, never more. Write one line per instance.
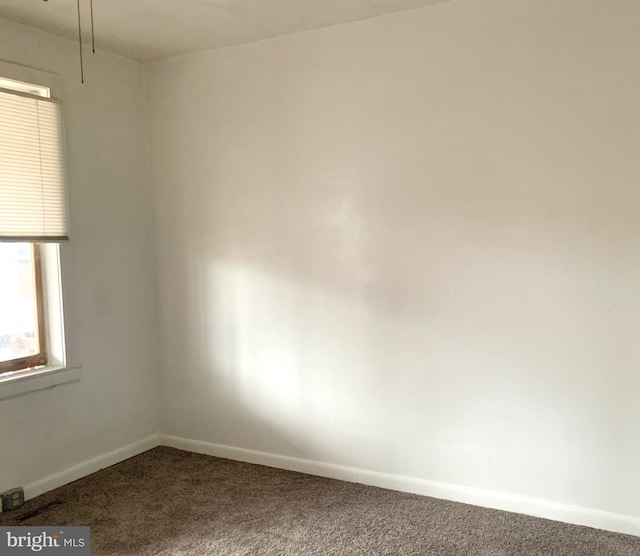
(152, 29)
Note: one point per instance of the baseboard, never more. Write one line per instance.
(576, 515)
(89, 466)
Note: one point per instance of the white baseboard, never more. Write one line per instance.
(489, 499)
(90, 466)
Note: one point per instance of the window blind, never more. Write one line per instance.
(33, 203)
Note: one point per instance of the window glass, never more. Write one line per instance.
(18, 302)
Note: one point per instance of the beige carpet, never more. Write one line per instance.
(177, 503)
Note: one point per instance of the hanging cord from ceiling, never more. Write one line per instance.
(80, 42)
(93, 36)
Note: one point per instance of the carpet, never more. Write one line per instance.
(170, 502)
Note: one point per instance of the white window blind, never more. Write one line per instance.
(33, 203)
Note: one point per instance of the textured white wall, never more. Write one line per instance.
(411, 245)
(108, 278)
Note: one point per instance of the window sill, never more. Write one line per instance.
(22, 382)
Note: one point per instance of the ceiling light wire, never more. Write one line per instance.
(93, 34)
(80, 41)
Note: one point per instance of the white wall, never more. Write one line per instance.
(108, 273)
(411, 245)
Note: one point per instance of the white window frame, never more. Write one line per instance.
(57, 371)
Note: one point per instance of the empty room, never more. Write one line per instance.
(320, 277)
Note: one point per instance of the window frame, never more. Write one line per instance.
(55, 260)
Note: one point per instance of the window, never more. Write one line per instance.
(33, 220)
